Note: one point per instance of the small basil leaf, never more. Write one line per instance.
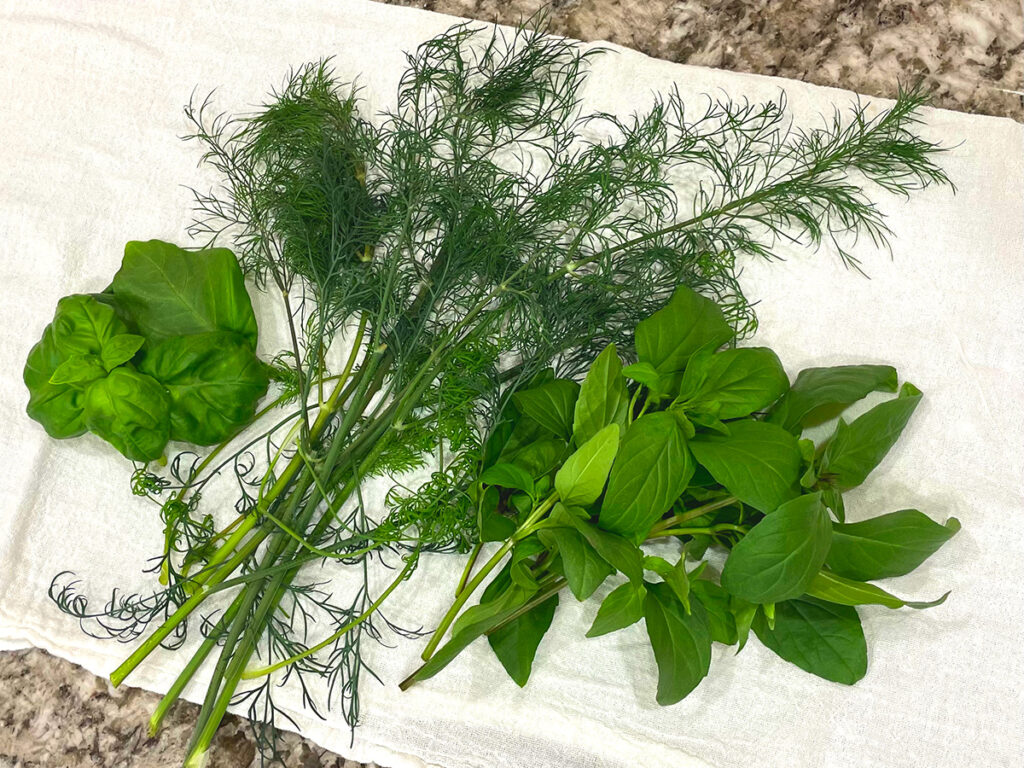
(758, 463)
(581, 478)
(721, 620)
(551, 405)
(78, 369)
(623, 607)
(516, 643)
(858, 447)
(821, 638)
(737, 381)
(681, 642)
(651, 470)
(779, 556)
(888, 545)
(508, 475)
(671, 335)
(673, 575)
(836, 589)
(585, 570)
(622, 554)
(120, 349)
(647, 374)
(491, 525)
(820, 394)
(603, 398)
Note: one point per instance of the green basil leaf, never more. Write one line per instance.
(821, 638)
(681, 643)
(214, 381)
(131, 411)
(585, 570)
(758, 463)
(858, 447)
(538, 458)
(778, 557)
(169, 291)
(651, 470)
(622, 554)
(671, 335)
(647, 374)
(581, 478)
(474, 622)
(736, 381)
(119, 349)
(82, 325)
(79, 369)
(836, 589)
(59, 408)
(516, 643)
(551, 405)
(888, 545)
(603, 398)
(623, 607)
(743, 613)
(820, 394)
(721, 619)
(491, 525)
(497, 440)
(673, 575)
(508, 476)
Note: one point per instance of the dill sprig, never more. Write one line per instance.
(484, 229)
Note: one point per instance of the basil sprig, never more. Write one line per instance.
(701, 445)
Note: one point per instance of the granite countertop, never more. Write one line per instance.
(970, 52)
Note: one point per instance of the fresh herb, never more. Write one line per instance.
(465, 247)
(701, 463)
(166, 353)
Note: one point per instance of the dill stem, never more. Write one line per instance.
(252, 674)
(524, 530)
(183, 678)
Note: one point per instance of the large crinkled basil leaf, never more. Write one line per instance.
(651, 470)
(734, 382)
(681, 642)
(821, 638)
(888, 545)
(858, 447)
(780, 556)
(169, 291)
(84, 326)
(59, 408)
(603, 397)
(687, 323)
(214, 381)
(758, 463)
(131, 411)
(820, 394)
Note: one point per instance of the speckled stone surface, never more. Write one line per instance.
(970, 52)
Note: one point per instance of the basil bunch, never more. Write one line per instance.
(700, 445)
(165, 353)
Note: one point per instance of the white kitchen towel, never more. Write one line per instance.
(91, 95)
